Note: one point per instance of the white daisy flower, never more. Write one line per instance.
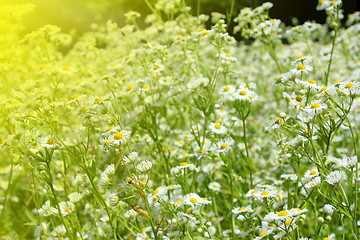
(66, 208)
(75, 197)
(144, 166)
(215, 186)
(46, 210)
(218, 128)
(335, 177)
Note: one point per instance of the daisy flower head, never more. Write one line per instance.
(144, 166)
(245, 94)
(242, 209)
(329, 208)
(46, 210)
(302, 59)
(335, 177)
(302, 68)
(75, 197)
(350, 88)
(224, 145)
(49, 142)
(330, 237)
(226, 92)
(315, 107)
(180, 169)
(119, 137)
(316, 181)
(348, 162)
(66, 208)
(194, 200)
(215, 186)
(131, 158)
(218, 128)
(309, 174)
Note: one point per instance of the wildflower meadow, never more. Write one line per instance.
(177, 130)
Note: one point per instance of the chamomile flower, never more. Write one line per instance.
(330, 237)
(224, 145)
(66, 208)
(46, 210)
(218, 128)
(215, 186)
(181, 167)
(245, 94)
(302, 68)
(144, 166)
(131, 158)
(242, 209)
(119, 137)
(316, 181)
(75, 197)
(192, 199)
(315, 107)
(309, 174)
(335, 177)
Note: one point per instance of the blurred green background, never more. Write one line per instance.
(77, 15)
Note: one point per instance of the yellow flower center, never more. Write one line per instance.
(287, 99)
(349, 85)
(228, 55)
(287, 222)
(298, 98)
(263, 233)
(323, 89)
(36, 146)
(129, 87)
(326, 238)
(171, 186)
(332, 3)
(315, 105)
(146, 87)
(226, 89)
(201, 150)
(301, 67)
(265, 193)
(179, 202)
(144, 229)
(217, 126)
(84, 109)
(68, 209)
(242, 209)
(155, 198)
(109, 128)
(313, 172)
(155, 192)
(193, 200)
(301, 56)
(311, 81)
(42, 66)
(66, 68)
(118, 136)
(183, 164)
(106, 143)
(283, 213)
(254, 191)
(75, 96)
(51, 141)
(99, 100)
(242, 93)
(321, 2)
(223, 146)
